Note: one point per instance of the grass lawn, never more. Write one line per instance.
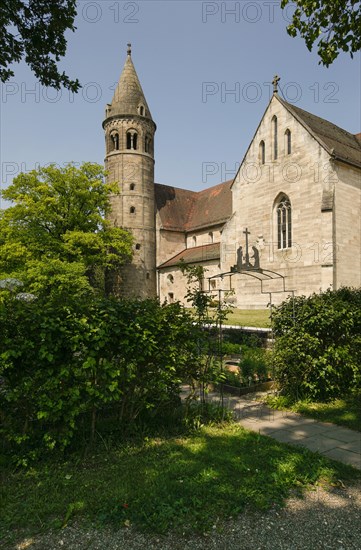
(184, 484)
(344, 412)
(249, 318)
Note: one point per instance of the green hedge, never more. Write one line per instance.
(317, 352)
(62, 364)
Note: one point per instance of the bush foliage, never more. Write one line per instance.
(317, 351)
(63, 365)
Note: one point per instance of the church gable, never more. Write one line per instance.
(339, 143)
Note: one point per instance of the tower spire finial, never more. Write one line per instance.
(275, 82)
(129, 51)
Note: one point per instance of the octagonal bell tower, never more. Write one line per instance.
(129, 137)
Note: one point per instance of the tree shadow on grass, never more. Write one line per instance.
(181, 484)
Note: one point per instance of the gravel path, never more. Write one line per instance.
(323, 519)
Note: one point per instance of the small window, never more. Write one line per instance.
(170, 297)
(148, 275)
(132, 186)
(275, 137)
(132, 210)
(147, 144)
(213, 284)
(194, 240)
(141, 110)
(210, 236)
(170, 278)
(115, 141)
(284, 223)
(262, 152)
(132, 139)
(288, 142)
(137, 246)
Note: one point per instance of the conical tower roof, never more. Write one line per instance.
(128, 97)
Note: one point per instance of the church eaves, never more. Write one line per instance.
(128, 97)
(197, 254)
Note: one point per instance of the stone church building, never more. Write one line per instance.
(289, 222)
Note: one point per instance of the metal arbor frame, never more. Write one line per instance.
(261, 275)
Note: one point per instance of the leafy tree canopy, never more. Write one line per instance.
(334, 25)
(56, 235)
(34, 30)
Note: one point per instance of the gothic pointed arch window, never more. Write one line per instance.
(284, 222)
(275, 137)
(288, 142)
(262, 152)
(132, 140)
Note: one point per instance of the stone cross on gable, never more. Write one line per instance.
(275, 82)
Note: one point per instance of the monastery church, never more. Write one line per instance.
(289, 222)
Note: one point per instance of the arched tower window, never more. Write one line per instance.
(132, 210)
(194, 240)
(132, 186)
(262, 152)
(210, 236)
(147, 144)
(284, 222)
(141, 110)
(114, 136)
(137, 246)
(288, 142)
(275, 137)
(170, 278)
(132, 139)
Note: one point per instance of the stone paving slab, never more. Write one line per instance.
(344, 435)
(355, 447)
(347, 457)
(308, 430)
(332, 441)
(320, 444)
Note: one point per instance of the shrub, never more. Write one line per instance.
(317, 351)
(60, 366)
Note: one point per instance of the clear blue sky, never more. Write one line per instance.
(188, 55)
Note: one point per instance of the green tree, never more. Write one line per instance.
(334, 25)
(56, 236)
(34, 30)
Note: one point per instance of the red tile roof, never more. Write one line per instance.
(195, 255)
(182, 210)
